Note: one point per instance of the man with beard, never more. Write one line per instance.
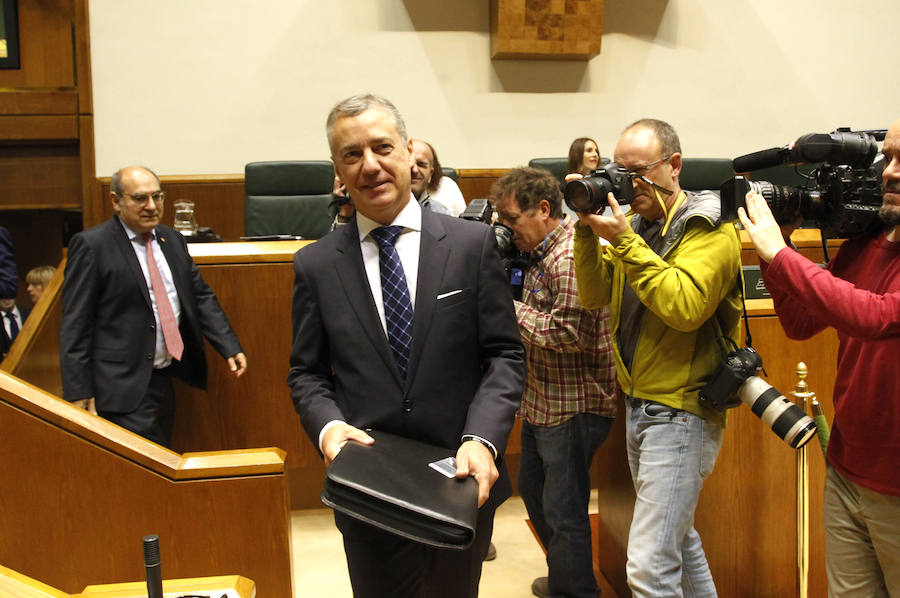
(858, 295)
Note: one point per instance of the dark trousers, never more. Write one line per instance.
(384, 565)
(555, 484)
(155, 415)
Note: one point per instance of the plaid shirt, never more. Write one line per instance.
(570, 363)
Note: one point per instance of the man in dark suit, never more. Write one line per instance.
(135, 311)
(459, 379)
(13, 318)
(9, 275)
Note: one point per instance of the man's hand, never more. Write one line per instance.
(337, 436)
(86, 404)
(767, 235)
(607, 227)
(237, 364)
(474, 459)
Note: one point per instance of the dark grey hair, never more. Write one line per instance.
(356, 105)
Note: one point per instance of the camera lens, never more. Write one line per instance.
(782, 416)
(504, 236)
(786, 203)
(587, 195)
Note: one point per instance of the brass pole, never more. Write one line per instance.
(801, 394)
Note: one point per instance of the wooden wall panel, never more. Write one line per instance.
(46, 45)
(477, 182)
(40, 177)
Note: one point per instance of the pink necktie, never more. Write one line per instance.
(171, 334)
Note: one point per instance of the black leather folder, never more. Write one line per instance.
(389, 485)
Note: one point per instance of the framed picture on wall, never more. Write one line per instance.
(9, 35)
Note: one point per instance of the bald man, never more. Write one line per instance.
(135, 312)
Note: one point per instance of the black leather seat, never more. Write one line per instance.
(288, 198)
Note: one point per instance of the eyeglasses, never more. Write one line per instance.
(641, 171)
(142, 198)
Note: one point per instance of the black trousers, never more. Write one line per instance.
(154, 417)
(382, 564)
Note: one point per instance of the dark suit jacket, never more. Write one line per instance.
(108, 332)
(9, 276)
(5, 341)
(467, 364)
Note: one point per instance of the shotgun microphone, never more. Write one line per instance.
(761, 159)
(151, 562)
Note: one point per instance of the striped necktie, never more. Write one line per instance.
(171, 334)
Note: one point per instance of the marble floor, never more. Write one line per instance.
(320, 568)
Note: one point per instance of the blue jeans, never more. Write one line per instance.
(670, 453)
(555, 484)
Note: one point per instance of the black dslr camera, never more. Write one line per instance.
(842, 196)
(588, 195)
(735, 382)
(515, 262)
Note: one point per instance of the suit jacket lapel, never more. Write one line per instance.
(124, 244)
(433, 255)
(352, 274)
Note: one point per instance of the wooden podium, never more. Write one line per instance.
(16, 585)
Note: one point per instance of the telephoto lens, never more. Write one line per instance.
(782, 416)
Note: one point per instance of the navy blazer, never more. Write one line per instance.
(467, 363)
(9, 276)
(108, 332)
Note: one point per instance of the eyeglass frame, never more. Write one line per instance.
(142, 199)
(641, 171)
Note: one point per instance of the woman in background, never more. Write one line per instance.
(584, 156)
(37, 280)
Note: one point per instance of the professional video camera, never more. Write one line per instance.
(842, 196)
(515, 262)
(735, 382)
(588, 195)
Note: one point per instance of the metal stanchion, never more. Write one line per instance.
(801, 393)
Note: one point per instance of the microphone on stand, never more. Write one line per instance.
(151, 562)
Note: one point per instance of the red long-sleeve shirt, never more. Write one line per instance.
(858, 295)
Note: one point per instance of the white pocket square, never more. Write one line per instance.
(449, 294)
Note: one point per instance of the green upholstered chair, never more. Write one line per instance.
(558, 166)
(450, 173)
(288, 198)
(698, 174)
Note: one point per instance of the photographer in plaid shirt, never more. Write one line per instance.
(569, 399)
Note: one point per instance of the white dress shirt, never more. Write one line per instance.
(6, 323)
(407, 246)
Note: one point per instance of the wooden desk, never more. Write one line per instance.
(230, 586)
